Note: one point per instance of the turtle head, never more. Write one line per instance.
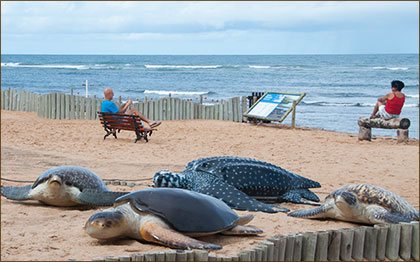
(54, 183)
(106, 225)
(166, 178)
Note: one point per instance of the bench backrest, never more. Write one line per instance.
(120, 121)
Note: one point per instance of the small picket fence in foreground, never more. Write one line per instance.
(372, 243)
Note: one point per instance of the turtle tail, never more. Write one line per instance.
(317, 212)
(16, 193)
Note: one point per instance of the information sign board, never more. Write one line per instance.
(274, 106)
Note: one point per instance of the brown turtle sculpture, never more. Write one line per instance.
(362, 203)
(169, 217)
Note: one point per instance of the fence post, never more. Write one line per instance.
(72, 106)
(381, 241)
(321, 253)
(393, 242)
(290, 245)
(62, 106)
(244, 108)
(358, 243)
(309, 246)
(57, 106)
(346, 247)
(49, 105)
(415, 244)
(334, 245)
(88, 108)
(6, 99)
(406, 240)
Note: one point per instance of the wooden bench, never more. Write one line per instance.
(366, 124)
(113, 122)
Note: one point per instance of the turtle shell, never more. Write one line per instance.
(186, 211)
(77, 176)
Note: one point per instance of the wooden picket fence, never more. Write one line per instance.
(378, 243)
(64, 106)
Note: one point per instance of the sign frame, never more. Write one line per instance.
(280, 102)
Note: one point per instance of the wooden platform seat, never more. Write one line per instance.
(117, 122)
(366, 124)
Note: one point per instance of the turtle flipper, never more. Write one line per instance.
(157, 233)
(299, 196)
(379, 215)
(237, 199)
(16, 193)
(242, 230)
(243, 220)
(318, 212)
(99, 198)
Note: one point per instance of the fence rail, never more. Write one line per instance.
(64, 106)
(392, 242)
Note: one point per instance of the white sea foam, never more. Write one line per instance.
(181, 93)
(10, 64)
(80, 67)
(183, 66)
(259, 67)
(391, 68)
(397, 68)
(412, 96)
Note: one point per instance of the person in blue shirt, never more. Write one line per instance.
(108, 106)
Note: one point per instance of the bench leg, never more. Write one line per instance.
(365, 133)
(402, 135)
(140, 136)
(109, 132)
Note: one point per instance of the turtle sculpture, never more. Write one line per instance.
(169, 217)
(65, 186)
(362, 203)
(240, 182)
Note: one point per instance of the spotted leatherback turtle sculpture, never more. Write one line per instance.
(362, 203)
(65, 186)
(240, 182)
(169, 217)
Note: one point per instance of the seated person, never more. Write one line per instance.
(108, 106)
(391, 104)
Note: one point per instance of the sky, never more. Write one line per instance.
(205, 27)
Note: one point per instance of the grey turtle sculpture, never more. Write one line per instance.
(240, 182)
(65, 186)
(259, 179)
(362, 203)
(169, 217)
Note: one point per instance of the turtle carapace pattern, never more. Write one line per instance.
(223, 177)
(362, 203)
(259, 179)
(169, 217)
(209, 184)
(65, 186)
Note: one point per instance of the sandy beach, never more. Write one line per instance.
(30, 145)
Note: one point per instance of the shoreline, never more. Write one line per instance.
(31, 145)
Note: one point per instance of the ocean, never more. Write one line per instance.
(339, 88)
